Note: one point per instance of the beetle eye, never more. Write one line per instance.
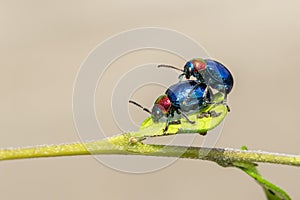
(188, 68)
(156, 113)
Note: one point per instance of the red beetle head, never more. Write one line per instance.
(161, 107)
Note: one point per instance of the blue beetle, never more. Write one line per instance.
(174, 98)
(207, 71)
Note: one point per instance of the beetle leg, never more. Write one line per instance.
(213, 113)
(175, 122)
(190, 93)
(223, 89)
(167, 125)
(203, 115)
(180, 77)
(225, 102)
(186, 117)
(205, 99)
(222, 102)
(209, 113)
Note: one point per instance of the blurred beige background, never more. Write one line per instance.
(43, 44)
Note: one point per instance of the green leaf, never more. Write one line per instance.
(272, 191)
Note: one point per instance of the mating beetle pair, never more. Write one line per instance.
(192, 96)
(214, 74)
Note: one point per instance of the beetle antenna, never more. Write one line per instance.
(138, 105)
(170, 66)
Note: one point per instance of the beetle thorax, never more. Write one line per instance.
(199, 65)
(164, 103)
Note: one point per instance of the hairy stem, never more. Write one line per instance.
(122, 144)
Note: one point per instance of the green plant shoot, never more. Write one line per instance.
(272, 191)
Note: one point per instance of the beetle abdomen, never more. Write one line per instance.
(179, 92)
(217, 76)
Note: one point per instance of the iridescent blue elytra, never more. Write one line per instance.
(173, 101)
(207, 71)
(178, 93)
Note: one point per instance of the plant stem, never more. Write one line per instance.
(121, 145)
